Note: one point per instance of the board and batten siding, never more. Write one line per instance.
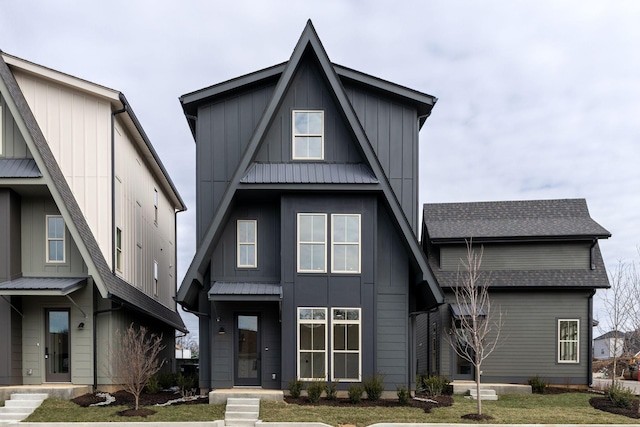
(529, 344)
(12, 143)
(77, 127)
(143, 240)
(522, 256)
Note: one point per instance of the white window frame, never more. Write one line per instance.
(326, 334)
(155, 206)
(119, 249)
(323, 243)
(335, 244)
(346, 351)
(155, 278)
(57, 239)
(294, 155)
(576, 341)
(253, 244)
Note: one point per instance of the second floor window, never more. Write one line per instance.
(345, 243)
(312, 243)
(308, 135)
(55, 238)
(155, 206)
(155, 278)
(118, 249)
(247, 243)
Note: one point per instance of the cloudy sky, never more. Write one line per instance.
(537, 99)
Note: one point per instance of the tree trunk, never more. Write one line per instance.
(479, 399)
(137, 401)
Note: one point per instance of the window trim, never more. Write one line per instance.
(334, 244)
(576, 341)
(294, 135)
(334, 351)
(48, 239)
(240, 244)
(326, 324)
(299, 243)
(156, 289)
(119, 249)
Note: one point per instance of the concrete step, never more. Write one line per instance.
(242, 412)
(240, 423)
(20, 406)
(485, 394)
(29, 396)
(22, 403)
(243, 408)
(241, 415)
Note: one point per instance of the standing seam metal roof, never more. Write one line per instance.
(19, 168)
(309, 173)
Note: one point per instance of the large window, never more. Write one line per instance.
(55, 238)
(568, 341)
(247, 256)
(308, 135)
(312, 343)
(346, 344)
(345, 243)
(312, 243)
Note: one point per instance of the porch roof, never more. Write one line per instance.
(245, 291)
(463, 310)
(19, 168)
(57, 286)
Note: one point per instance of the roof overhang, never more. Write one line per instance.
(245, 291)
(42, 286)
(465, 310)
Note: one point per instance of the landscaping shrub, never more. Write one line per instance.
(537, 384)
(153, 385)
(314, 391)
(374, 386)
(432, 385)
(295, 388)
(332, 391)
(167, 380)
(403, 395)
(619, 395)
(187, 384)
(355, 393)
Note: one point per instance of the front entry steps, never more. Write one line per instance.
(485, 394)
(20, 406)
(242, 412)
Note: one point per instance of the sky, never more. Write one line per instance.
(536, 99)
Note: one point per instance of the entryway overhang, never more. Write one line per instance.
(42, 286)
(245, 291)
(464, 310)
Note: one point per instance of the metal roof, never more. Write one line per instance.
(42, 285)
(309, 173)
(245, 291)
(19, 168)
(464, 310)
(511, 219)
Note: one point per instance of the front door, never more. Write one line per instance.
(57, 347)
(247, 350)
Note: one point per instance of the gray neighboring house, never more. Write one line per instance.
(544, 266)
(307, 264)
(87, 228)
(615, 343)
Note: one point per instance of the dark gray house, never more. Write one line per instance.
(543, 265)
(307, 264)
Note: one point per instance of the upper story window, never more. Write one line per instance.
(55, 238)
(345, 243)
(247, 256)
(308, 135)
(312, 243)
(568, 341)
(118, 249)
(155, 278)
(155, 206)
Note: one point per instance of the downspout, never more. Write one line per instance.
(590, 340)
(95, 343)
(113, 186)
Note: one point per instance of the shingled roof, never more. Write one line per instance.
(540, 219)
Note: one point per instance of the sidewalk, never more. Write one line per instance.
(602, 383)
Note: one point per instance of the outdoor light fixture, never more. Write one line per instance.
(81, 325)
(221, 331)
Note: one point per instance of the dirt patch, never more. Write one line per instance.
(123, 398)
(476, 417)
(604, 404)
(141, 412)
(440, 401)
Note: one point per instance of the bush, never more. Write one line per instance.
(332, 391)
(374, 386)
(537, 384)
(403, 395)
(167, 380)
(314, 391)
(153, 385)
(187, 384)
(620, 396)
(295, 388)
(355, 393)
(432, 385)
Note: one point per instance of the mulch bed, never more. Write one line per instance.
(124, 398)
(604, 404)
(441, 401)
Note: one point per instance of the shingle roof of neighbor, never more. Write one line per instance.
(511, 219)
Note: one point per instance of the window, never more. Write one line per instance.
(345, 243)
(312, 243)
(155, 278)
(247, 243)
(312, 343)
(155, 206)
(55, 238)
(308, 135)
(568, 341)
(346, 343)
(118, 249)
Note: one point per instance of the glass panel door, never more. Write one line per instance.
(57, 350)
(247, 349)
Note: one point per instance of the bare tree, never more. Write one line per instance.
(476, 332)
(135, 359)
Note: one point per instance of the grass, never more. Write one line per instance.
(568, 408)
